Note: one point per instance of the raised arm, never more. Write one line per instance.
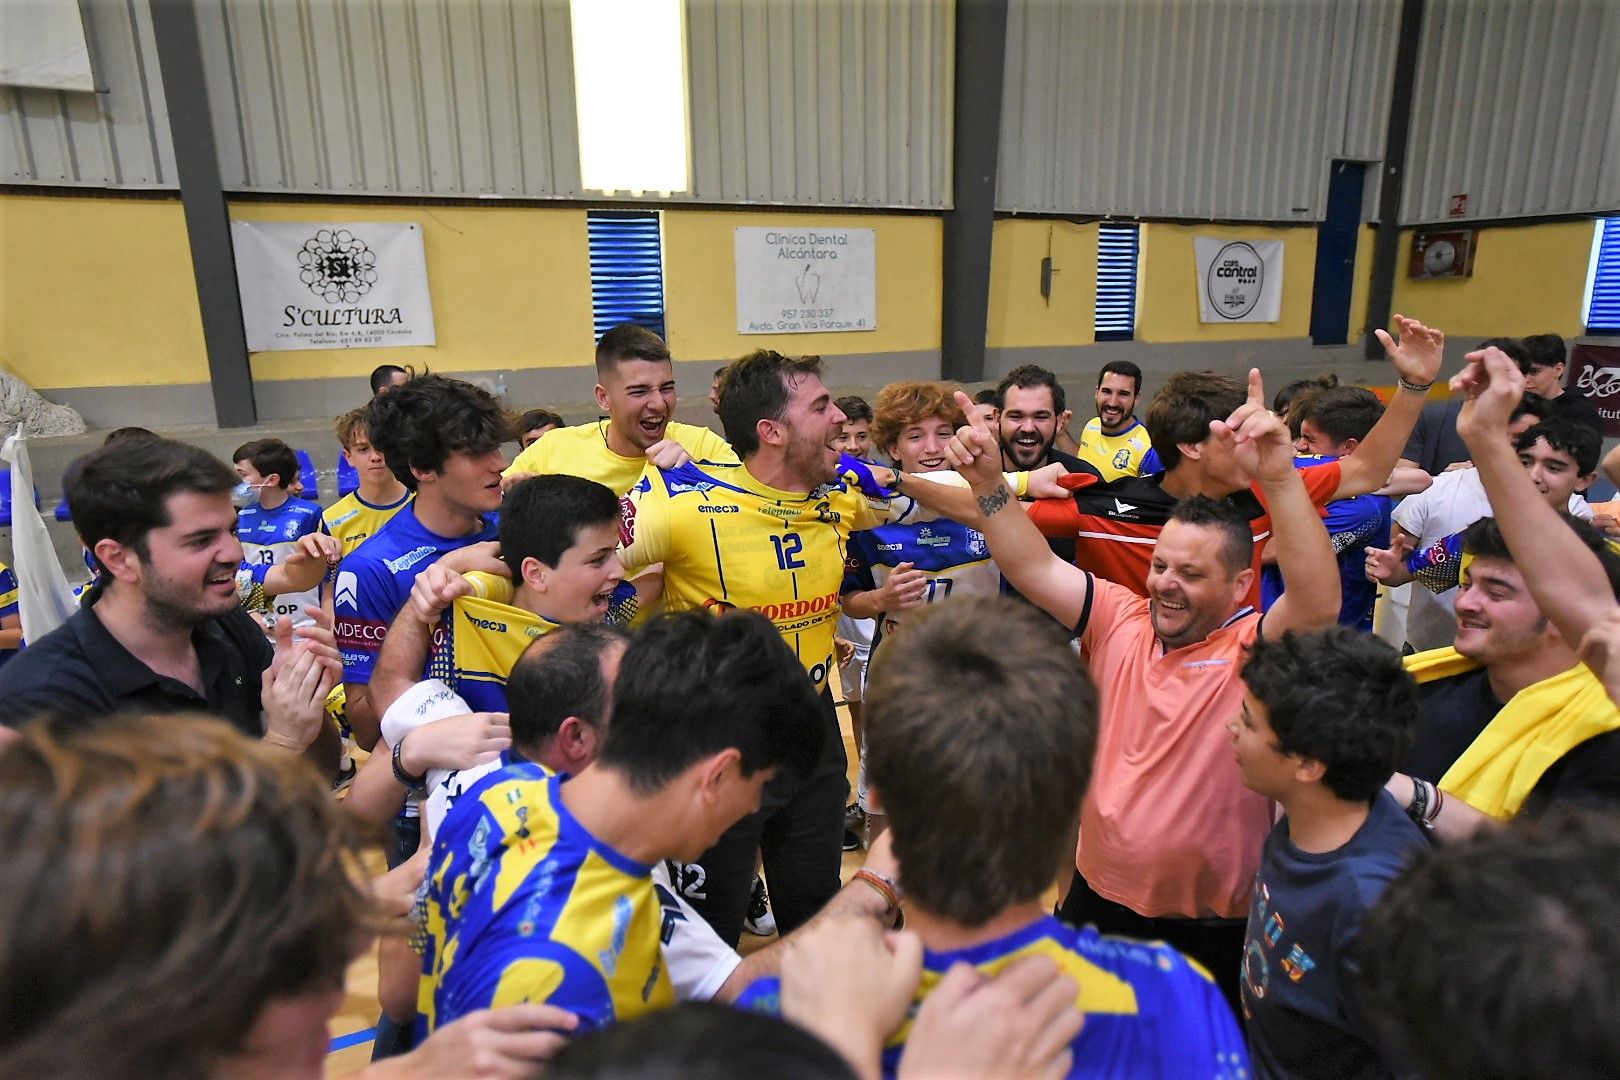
(1025, 560)
(1565, 577)
(1259, 440)
(1416, 357)
(410, 636)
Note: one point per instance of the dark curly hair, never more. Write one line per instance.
(420, 423)
(1338, 697)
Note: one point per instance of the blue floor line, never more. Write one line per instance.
(343, 1042)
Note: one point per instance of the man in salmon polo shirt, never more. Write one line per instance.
(1169, 836)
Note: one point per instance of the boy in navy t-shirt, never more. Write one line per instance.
(1325, 718)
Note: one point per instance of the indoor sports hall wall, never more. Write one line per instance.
(100, 309)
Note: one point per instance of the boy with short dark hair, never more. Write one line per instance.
(271, 525)
(1326, 717)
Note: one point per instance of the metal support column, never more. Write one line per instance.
(1387, 244)
(208, 225)
(981, 57)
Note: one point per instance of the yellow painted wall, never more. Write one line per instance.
(1167, 306)
(700, 284)
(1361, 284)
(1019, 315)
(1528, 279)
(511, 288)
(98, 292)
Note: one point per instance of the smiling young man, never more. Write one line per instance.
(1513, 723)
(162, 630)
(1114, 441)
(1032, 409)
(558, 536)
(442, 440)
(635, 387)
(908, 563)
(540, 887)
(1169, 838)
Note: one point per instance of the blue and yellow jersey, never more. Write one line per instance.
(727, 541)
(583, 451)
(524, 905)
(8, 591)
(354, 521)
(955, 557)
(1149, 1011)
(1114, 456)
(268, 537)
(478, 641)
(8, 603)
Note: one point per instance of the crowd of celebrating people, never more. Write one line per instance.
(1140, 791)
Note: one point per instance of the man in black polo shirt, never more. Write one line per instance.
(163, 629)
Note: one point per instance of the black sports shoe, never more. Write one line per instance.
(854, 827)
(759, 921)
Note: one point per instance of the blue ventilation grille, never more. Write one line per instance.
(627, 270)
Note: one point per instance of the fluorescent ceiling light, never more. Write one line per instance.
(630, 88)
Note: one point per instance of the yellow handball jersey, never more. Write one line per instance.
(583, 451)
(476, 645)
(354, 521)
(727, 541)
(1114, 456)
(523, 904)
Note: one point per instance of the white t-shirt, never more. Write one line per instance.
(1452, 503)
(699, 961)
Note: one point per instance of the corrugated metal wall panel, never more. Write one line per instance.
(116, 139)
(393, 97)
(1517, 105)
(834, 102)
(1181, 108)
(1374, 27)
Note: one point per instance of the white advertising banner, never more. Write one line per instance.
(1239, 280)
(324, 285)
(804, 280)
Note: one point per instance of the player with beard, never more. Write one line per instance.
(769, 534)
(635, 386)
(1031, 409)
(1114, 441)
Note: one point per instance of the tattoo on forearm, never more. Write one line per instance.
(993, 503)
